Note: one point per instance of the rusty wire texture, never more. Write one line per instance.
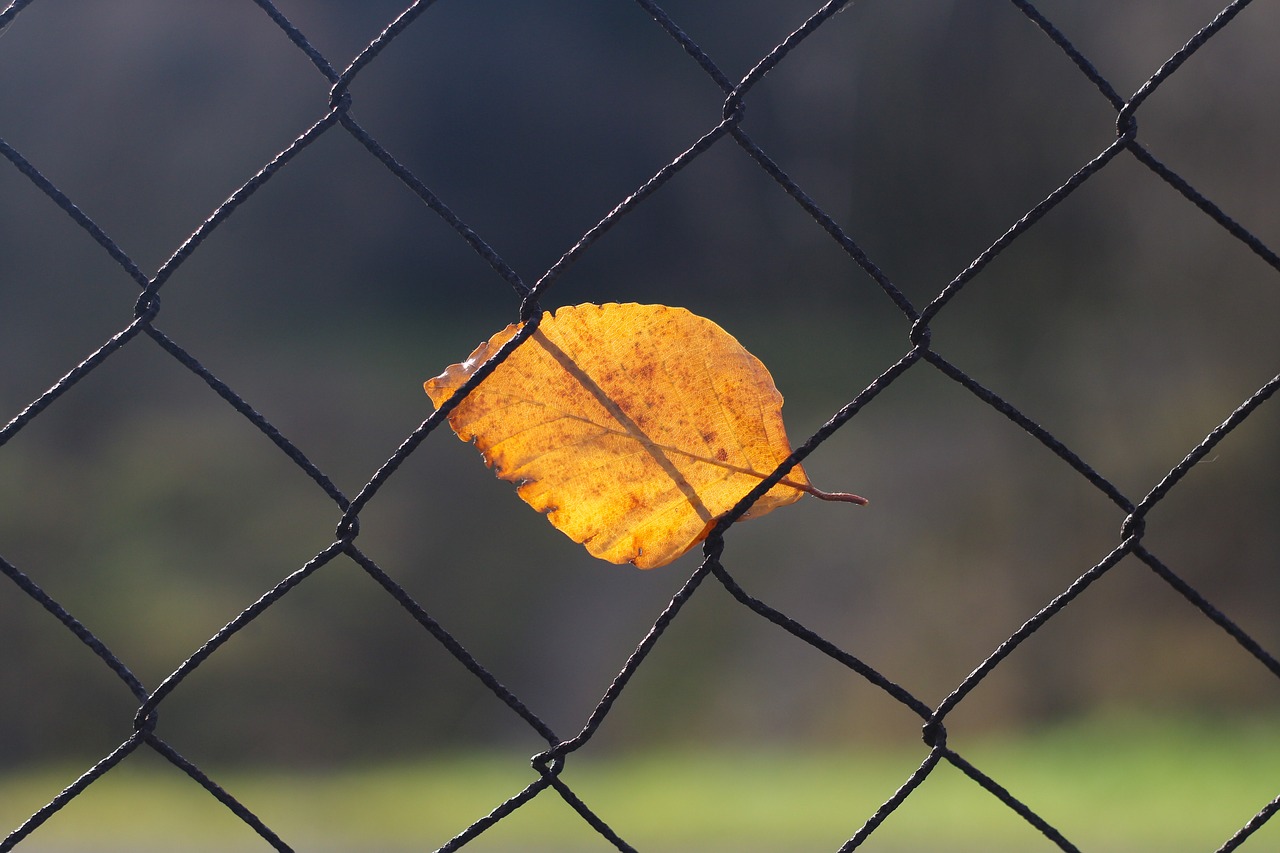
(723, 129)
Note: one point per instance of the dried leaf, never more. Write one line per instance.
(633, 427)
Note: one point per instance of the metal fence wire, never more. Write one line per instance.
(725, 128)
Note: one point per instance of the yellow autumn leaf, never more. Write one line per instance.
(633, 427)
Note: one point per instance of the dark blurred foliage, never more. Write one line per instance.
(1126, 322)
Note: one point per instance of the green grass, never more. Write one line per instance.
(1119, 785)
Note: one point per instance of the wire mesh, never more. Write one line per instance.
(726, 128)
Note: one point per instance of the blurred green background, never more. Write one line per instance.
(1126, 322)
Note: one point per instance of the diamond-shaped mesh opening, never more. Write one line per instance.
(1033, 325)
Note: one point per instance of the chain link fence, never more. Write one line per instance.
(727, 129)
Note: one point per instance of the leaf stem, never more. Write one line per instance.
(844, 497)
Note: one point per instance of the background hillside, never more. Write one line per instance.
(1126, 322)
